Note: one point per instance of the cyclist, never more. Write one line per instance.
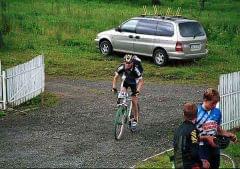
(208, 123)
(131, 71)
(186, 140)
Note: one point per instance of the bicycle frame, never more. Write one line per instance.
(123, 114)
(125, 101)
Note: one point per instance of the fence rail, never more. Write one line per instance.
(229, 89)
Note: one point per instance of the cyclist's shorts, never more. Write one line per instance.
(132, 86)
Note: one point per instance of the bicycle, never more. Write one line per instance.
(226, 161)
(123, 114)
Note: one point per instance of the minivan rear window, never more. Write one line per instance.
(191, 29)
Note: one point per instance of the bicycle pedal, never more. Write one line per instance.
(134, 126)
(133, 129)
(125, 121)
(119, 123)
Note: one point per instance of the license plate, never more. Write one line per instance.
(195, 46)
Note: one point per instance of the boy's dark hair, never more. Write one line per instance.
(211, 95)
(190, 111)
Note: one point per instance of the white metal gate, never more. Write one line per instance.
(229, 89)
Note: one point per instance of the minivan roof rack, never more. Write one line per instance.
(164, 17)
(167, 16)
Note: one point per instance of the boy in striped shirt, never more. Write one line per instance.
(208, 123)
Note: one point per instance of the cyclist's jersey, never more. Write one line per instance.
(186, 146)
(208, 121)
(130, 76)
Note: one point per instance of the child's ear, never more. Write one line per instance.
(183, 116)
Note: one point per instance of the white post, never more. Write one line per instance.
(4, 90)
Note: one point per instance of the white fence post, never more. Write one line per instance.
(4, 90)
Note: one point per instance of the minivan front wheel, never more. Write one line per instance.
(160, 57)
(105, 47)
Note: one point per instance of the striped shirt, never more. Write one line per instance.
(208, 121)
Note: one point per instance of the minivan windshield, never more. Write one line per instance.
(191, 29)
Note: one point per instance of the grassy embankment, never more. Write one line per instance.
(64, 32)
(162, 161)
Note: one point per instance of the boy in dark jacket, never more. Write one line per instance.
(186, 140)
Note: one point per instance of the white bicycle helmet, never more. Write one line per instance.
(128, 58)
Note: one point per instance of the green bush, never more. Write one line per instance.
(2, 113)
(65, 31)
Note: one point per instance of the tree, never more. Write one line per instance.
(156, 2)
(202, 5)
(1, 40)
(5, 26)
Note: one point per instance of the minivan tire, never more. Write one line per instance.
(105, 47)
(160, 57)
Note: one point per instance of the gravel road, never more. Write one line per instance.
(78, 132)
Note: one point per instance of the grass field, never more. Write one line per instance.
(64, 31)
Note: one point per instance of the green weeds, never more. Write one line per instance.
(45, 99)
(2, 113)
(163, 160)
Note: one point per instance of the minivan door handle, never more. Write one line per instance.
(130, 36)
(137, 37)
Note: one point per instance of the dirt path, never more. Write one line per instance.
(79, 131)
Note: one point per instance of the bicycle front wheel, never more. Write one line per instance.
(226, 161)
(119, 123)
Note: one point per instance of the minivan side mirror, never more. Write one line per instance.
(118, 29)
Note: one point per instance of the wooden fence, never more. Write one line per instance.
(229, 89)
(23, 82)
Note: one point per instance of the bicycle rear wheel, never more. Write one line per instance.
(119, 123)
(226, 161)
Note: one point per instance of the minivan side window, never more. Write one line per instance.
(191, 29)
(165, 29)
(147, 27)
(129, 26)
